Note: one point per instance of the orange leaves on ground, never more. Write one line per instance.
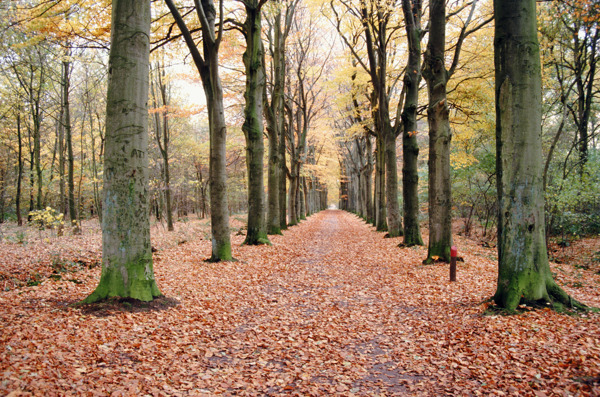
(332, 308)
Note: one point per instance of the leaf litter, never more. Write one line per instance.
(331, 308)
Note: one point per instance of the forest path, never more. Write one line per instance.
(331, 308)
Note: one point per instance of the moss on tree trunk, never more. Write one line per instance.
(523, 270)
(127, 269)
(253, 125)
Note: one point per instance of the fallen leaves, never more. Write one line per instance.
(332, 308)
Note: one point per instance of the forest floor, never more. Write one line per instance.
(331, 308)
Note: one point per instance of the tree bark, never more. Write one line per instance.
(440, 135)
(208, 68)
(19, 170)
(380, 209)
(253, 123)
(163, 135)
(410, 147)
(523, 271)
(127, 269)
(69, 142)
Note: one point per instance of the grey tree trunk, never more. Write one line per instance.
(127, 269)
(253, 123)
(523, 271)
(410, 147)
(208, 68)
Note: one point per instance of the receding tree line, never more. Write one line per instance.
(288, 97)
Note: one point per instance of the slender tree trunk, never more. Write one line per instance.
(410, 147)
(253, 124)
(127, 269)
(37, 155)
(283, 208)
(523, 271)
(69, 141)
(96, 188)
(369, 180)
(19, 170)
(64, 205)
(293, 197)
(163, 135)
(440, 135)
(380, 216)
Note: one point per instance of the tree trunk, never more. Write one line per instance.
(253, 124)
(380, 213)
(282, 183)
(69, 141)
(274, 113)
(440, 135)
(410, 147)
(19, 171)
(97, 200)
(208, 68)
(369, 180)
(391, 185)
(523, 271)
(127, 269)
(37, 153)
(64, 205)
(163, 135)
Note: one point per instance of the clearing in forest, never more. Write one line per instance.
(332, 308)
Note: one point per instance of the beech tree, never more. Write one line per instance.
(412, 10)
(279, 26)
(127, 269)
(208, 68)
(253, 121)
(523, 271)
(438, 117)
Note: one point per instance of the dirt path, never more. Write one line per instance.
(332, 308)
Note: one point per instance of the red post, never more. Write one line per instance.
(453, 252)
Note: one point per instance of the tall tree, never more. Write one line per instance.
(438, 117)
(127, 269)
(253, 122)
(523, 271)
(412, 10)
(68, 136)
(208, 68)
(277, 33)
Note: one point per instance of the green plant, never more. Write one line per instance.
(48, 218)
(34, 279)
(20, 237)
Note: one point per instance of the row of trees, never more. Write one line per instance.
(464, 116)
(290, 100)
(291, 79)
(44, 38)
(506, 174)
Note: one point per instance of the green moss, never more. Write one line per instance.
(131, 280)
